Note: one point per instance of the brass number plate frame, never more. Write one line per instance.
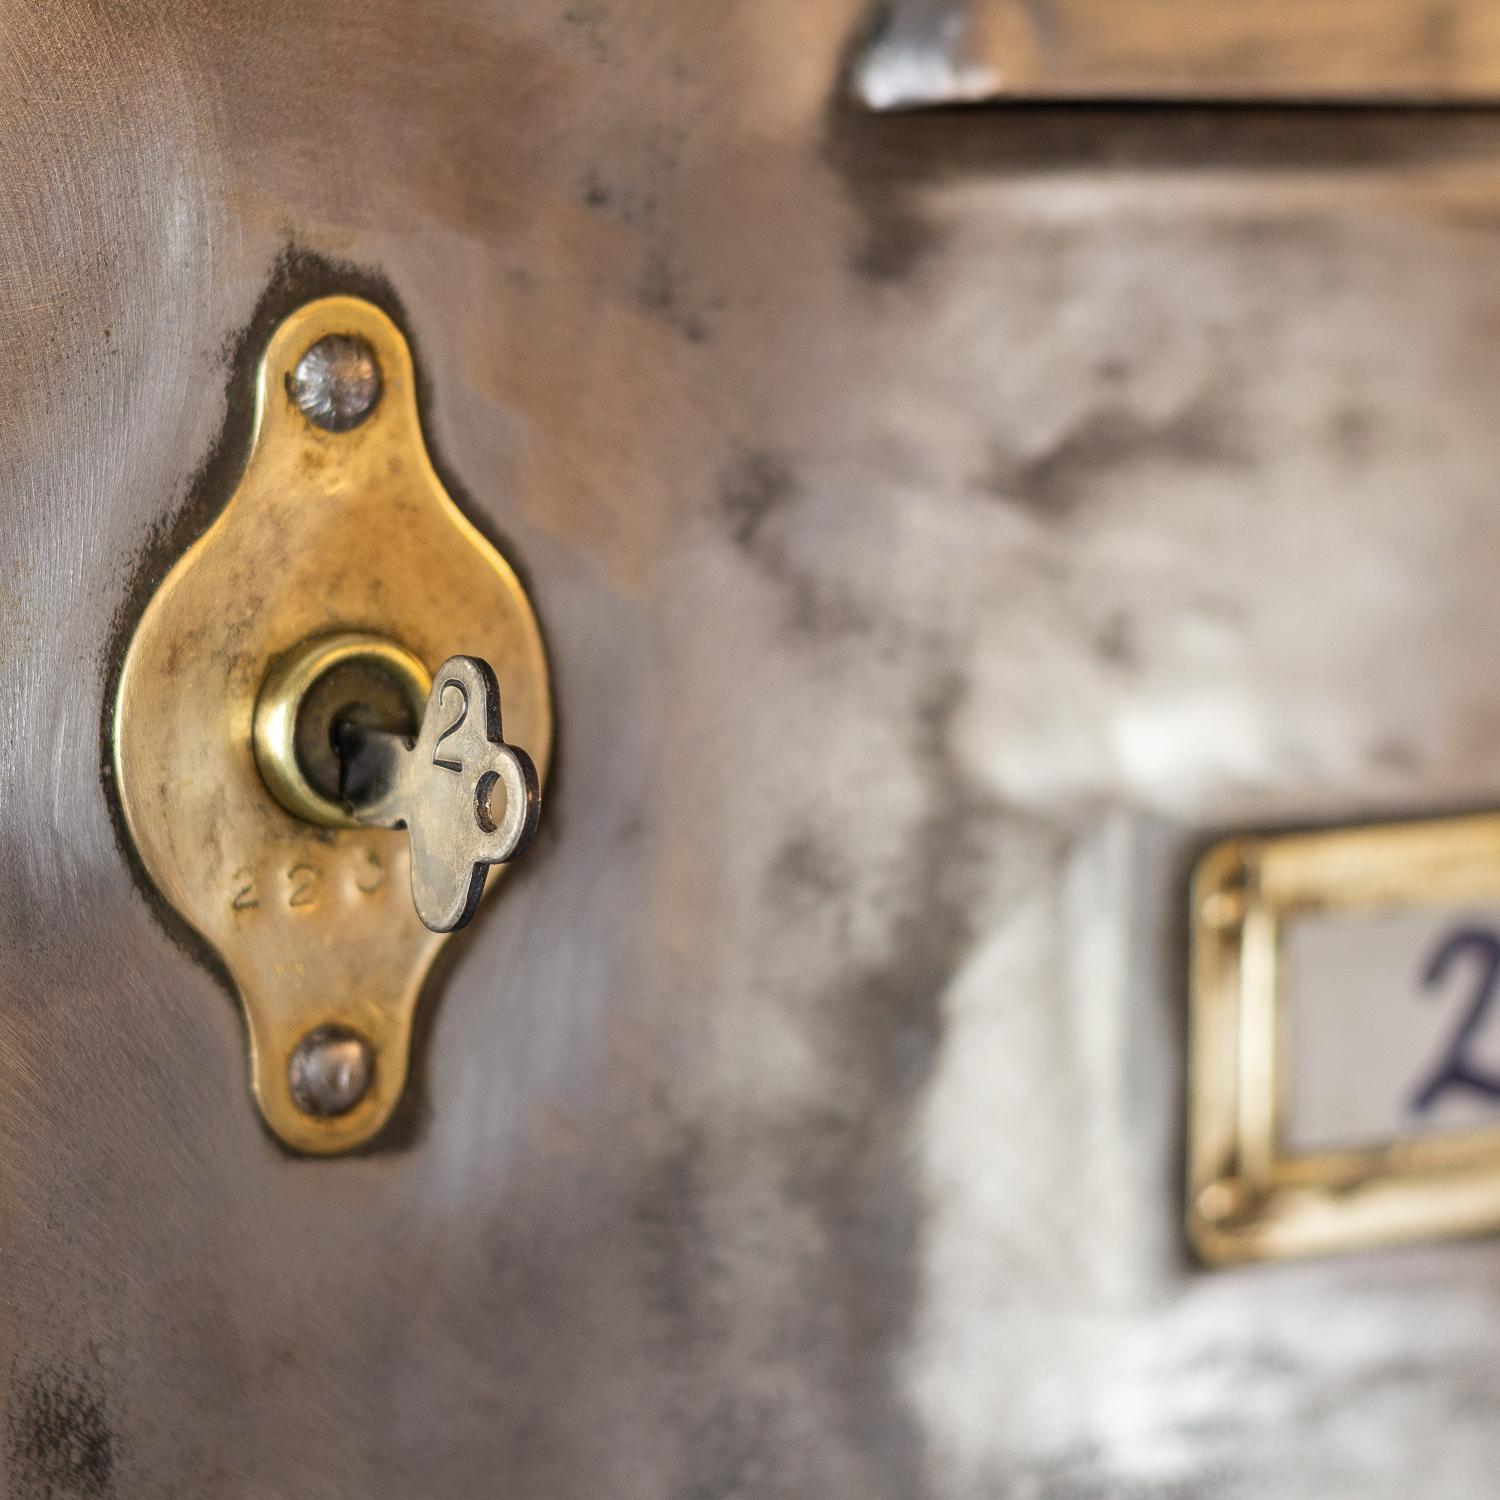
(1248, 1197)
(326, 531)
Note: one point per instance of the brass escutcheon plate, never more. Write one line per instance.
(327, 531)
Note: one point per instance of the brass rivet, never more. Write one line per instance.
(1223, 908)
(336, 383)
(330, 1071)
(1221, 1200)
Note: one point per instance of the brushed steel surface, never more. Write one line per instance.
(937, 535)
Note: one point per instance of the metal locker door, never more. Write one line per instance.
(940, 526)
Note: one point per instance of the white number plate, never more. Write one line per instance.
(1390, 1025)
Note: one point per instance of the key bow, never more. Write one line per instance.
(466, 799)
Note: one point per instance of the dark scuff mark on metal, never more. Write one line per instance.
(664, 292)
(298, 276)
(586, 20)
(756, 491)
(1112, 439)
(60, 1442)
(1354, 433)
(1117, 641)
(664, 284)
(844, 1166)
(752, 492)
(852, 1168)
(723, 1433)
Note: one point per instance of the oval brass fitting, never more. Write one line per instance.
(339, 526)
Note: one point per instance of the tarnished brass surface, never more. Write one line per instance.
(327, 531)
(1248, 1198)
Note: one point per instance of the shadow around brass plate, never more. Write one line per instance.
(329, 534)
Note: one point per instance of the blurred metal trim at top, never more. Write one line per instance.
(925, 53)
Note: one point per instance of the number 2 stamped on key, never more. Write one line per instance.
(466, 799)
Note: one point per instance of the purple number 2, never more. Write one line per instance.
(1455, 1068)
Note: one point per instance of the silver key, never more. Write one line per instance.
(466, 799)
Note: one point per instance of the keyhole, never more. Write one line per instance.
(484, 791)
(362, 692)
(317, 688)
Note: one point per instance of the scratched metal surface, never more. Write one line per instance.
(937, 530)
